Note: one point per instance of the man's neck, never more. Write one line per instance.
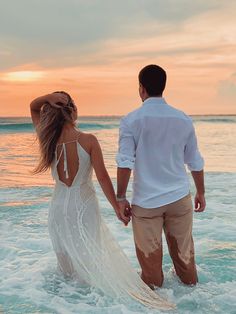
(147, 96)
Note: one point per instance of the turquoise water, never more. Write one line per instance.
(28, 276)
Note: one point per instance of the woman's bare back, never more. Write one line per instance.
(67, 153)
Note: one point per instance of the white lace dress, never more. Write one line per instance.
(85, 248)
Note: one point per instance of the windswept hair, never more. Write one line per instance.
(49, 128)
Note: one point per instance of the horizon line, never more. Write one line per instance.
(118, 116)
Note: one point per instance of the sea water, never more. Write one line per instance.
(29, 281)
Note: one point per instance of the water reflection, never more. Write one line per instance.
(19, 153)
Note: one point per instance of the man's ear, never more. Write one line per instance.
(141, 89)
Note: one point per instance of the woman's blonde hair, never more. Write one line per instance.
(49, 128)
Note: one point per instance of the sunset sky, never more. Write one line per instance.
(94, 49)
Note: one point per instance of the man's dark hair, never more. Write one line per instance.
(153, 79)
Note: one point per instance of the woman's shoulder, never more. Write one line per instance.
(91, 138)
(88, 140)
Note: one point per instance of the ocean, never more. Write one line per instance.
(29, 282)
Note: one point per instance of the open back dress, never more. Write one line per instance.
(84, 246)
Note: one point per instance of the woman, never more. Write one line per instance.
(84, 246)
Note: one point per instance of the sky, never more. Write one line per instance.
(94, 49)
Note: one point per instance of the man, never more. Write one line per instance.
(156, 141)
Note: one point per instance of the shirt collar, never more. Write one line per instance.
(155, 101)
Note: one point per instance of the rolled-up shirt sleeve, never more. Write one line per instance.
(125, 157)
(192, 156)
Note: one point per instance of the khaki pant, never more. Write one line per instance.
(176, 220)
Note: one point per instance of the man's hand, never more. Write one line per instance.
(124, 211)
(200, 202)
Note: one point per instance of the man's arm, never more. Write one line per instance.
(125, 163)
(195, 163)
(123, 176)
(199, 200)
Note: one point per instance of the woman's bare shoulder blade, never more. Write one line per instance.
(92, 140)
(87, 141)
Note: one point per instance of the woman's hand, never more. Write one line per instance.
(123, 211)
(55, 98)
(52, 99)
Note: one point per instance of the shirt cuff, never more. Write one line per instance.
(124, 161)
(196, 165)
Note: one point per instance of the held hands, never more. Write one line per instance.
(200, 202)
(123, 211)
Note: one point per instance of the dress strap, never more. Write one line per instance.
(63, 150)
(58, 159)
(75, 140)
(65, 161)
(67, 142)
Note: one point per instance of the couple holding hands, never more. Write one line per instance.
(156, 141)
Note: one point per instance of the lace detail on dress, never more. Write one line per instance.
(85, 248)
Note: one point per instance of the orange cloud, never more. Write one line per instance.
(199, 54)
(22, 76)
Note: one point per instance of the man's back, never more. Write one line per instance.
(157, 141)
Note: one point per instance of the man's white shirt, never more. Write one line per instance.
(156, 141)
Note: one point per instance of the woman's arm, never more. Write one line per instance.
(104, 179)
(37, 103)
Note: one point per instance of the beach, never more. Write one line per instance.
(30, 282)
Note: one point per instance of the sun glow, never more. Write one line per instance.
(23, 76)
